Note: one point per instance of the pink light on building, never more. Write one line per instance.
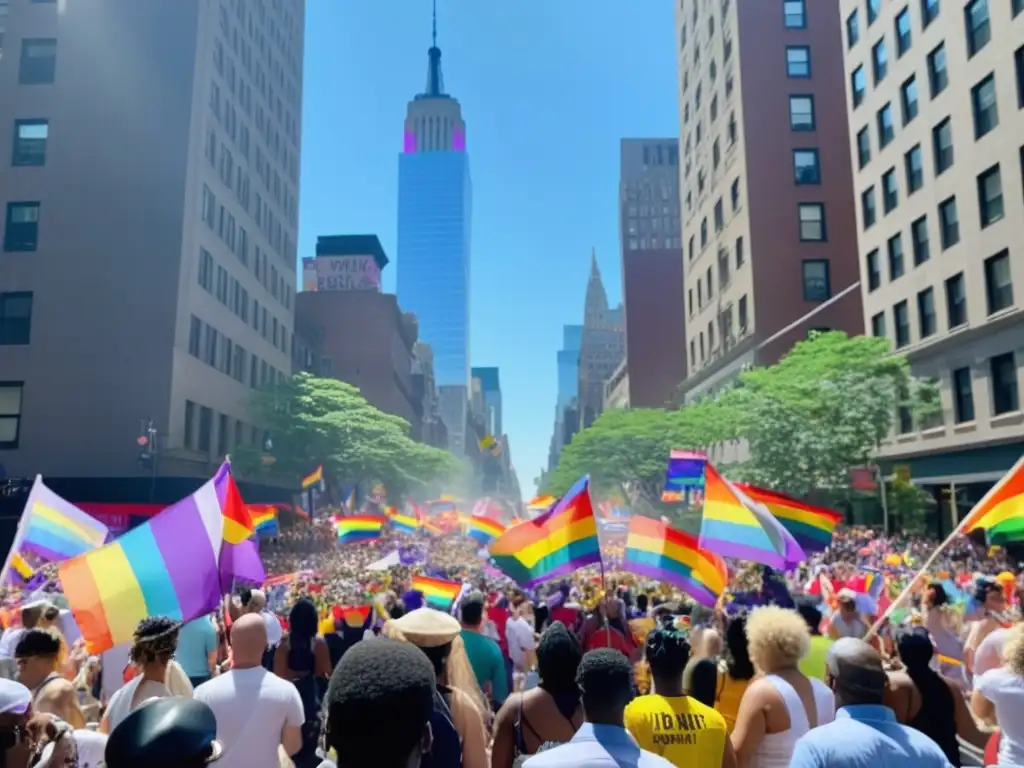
(459, 139)
(410, 142)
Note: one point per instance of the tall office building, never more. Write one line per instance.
(490, 390)
(650, 240)
(768, 208)
(933, 92)
(568, 358)
(602, 346)
(149, 241)
(434, 214)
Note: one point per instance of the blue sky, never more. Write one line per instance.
(547, 87)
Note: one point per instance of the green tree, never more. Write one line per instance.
(626, 450)
(823, 409)
(314, 421)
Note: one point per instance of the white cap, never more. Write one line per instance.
(15, 698)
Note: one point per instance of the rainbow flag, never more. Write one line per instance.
(554, 544)
(359, 528)
(55, 529)
(734, 525)
(313, 478)
(438, 593)
(811, 526)
(685, 470)
(264, 520)
(541, 503)
(656, 551)
(20, 569)
(430, 527)
(404, 523)
(1001, 512)
(485, 530)
(168, 566)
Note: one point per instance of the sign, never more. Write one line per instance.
(347, 273)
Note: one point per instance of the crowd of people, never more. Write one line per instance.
(337, 661)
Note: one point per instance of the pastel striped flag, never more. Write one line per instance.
(168, 566)
(405, 523)
(485, 530)
(55, 529)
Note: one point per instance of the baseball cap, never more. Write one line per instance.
(847, 595)
(15, 698)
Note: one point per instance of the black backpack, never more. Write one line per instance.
(446, 748)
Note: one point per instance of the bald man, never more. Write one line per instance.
(865, 733)
(257, 712)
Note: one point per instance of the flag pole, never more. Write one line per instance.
(1018, 466)
(19, 534)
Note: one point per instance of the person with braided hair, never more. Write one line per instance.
(153, 646)
(666, 721)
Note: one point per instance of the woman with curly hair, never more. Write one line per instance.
(153, 646)
(783, 704)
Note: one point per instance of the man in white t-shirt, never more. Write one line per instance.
(522, 643)
(257, 712)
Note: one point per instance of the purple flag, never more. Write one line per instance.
(238, 563)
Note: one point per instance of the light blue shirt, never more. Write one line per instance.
(866, 736)
(196, 641)
(599, 746)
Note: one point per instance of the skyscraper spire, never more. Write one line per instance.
(596, 302)
(435, 81)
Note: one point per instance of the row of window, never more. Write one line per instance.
(15, 318)
(199, 431)
(998, 298)
(215, 349)
(726, 334)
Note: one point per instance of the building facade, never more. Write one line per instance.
(434, 216)
(770, 248)
(616, 388)
(933, 92)
(149, 241)
(490, 393)
(602, 346)
(650, 240)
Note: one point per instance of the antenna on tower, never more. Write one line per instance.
(435, 25)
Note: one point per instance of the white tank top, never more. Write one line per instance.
(776, 749)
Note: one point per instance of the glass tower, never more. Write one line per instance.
(434, 215)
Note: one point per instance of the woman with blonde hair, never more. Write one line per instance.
(459, 722)
(781, 704)
(998, 698)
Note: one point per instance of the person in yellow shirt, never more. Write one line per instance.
(669, 723)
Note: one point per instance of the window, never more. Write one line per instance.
(798, 61)
(1005, 398)
(209, 207)
(739, 252)
(222, 434)
(205, 428)
(874, 271)
(195, 336)
(901, 324)
(1016, 7)
(38, 64)
(895, 248)
(817, 286)
(867, 204)
(719, 215)
(812, 222)
(903, 38)
(886, 129)
(908, 99)
(30, 142)
(858, 85)
(1018, 62)
(864, 146)
(806, 169)
(15, 318)
(852, 29)
(879, 61)
(976, 23)
(794, 14)
(998, 282)
(926, 312)
(983, 104)
(956, 301)
(942, 146)
(919, 239)
(873, 7)
(190, 424)
(938, 75)
(10, 413)
(890, 192)
(878, 325)
(734, 194)
(206, 269)
(963, 396)
(990, 196)
(742, 313)
(801, 113)
(929, 12)
(21, 232)
(949, 223)
(913, 164)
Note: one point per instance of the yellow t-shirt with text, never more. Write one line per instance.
(679, 728)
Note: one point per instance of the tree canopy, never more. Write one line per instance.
(314, 421)
(804, 422)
